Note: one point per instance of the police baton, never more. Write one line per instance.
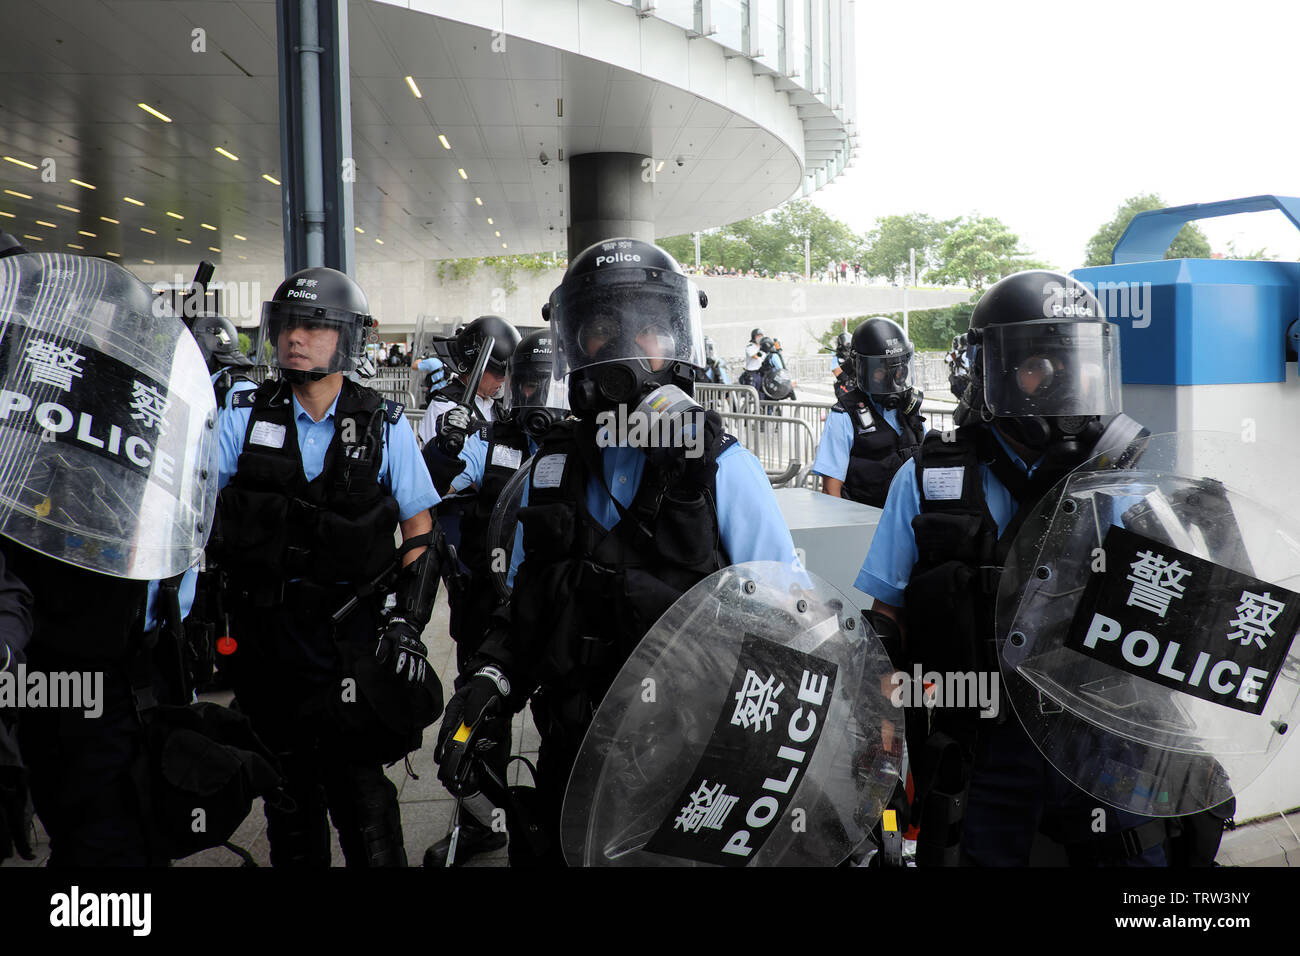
(454, 440)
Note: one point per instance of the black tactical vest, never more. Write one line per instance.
(507, 450)
(588, 594)
(274, 525)
(878, 451)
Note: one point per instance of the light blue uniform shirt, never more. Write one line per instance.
(833, 450)
(434, 365)
(190, 580)
(474, 455)
(893, 553)
(401, 470)
(750, 522)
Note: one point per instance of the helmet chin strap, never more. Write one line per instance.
(298, 376)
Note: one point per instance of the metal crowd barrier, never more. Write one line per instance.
(784, 446)
(727, 398)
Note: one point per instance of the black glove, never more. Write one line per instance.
(15, 820)
(691, 462)
(452, 426)
(400, 646)
(480, 705)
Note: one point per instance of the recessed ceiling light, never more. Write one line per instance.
(7, 215)
(477, 200)
(73, 245)
(14, 192)
(238, 236)
(37, 238)
(489, 220)
(153, 112)
(134, 202)
(226, 153)
(115, 255)
(82, 232)
(186, 241)
(359, 229)
(443, 139)
(206, 226)
(414, 89)
(175, 215)
(461, 171)
(148, 230)
(243, 257)
(380, 241)
(270, 179)
(19, 162)
(78, 182)
(147, 261)
(660, 167)
(113, 221)
(68, 208)
(498, 234)
(47, 225)
(504, 246)
(213, 249)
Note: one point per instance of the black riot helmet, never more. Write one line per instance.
(755, 335)
(765, 345)
(463, 348)
(318, 299)
(843, 342)
(627, 320)
(882, 361)
(536, 400)
(10, 246)
(1044, 358)
(219, 342)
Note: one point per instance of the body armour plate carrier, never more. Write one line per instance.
(273, 525)
(590, 593)
(878, 451)
(507, 450)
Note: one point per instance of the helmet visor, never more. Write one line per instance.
(309, 338)
(531, 386)
(643, 314)
(884, 374)
(1051, 368)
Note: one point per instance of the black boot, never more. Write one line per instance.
(474, 838)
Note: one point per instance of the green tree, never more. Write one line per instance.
(890, 241)
(831, 239)
(1190, 243)
(773, 241)
(979, 251)
(931, 330)
(1232, 253)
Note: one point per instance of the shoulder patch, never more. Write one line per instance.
(244, 398)
(393, 411)
(728, 440)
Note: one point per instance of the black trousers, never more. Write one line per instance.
(83, 770)
(286, 661)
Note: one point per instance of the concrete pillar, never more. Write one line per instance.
(610, 194)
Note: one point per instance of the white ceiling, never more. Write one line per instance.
(72, 72)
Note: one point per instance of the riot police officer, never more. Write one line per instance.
(754, 358)
(317, 472)
(219, 342)
(714, 371)
(612, 533)
(1044, 373)
(492, 455)
(87, 343)
(876, 425)
(460, 352)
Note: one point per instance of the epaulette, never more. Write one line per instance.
(244, 398)
(393, 411)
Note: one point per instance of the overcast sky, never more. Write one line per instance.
(1049, 113)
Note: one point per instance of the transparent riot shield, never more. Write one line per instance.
(752, 726)
(107, 420)
(1146, 621)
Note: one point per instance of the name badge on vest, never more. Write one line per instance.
(943, 484)
(267, 433)
(507, 457)
(549, 471)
